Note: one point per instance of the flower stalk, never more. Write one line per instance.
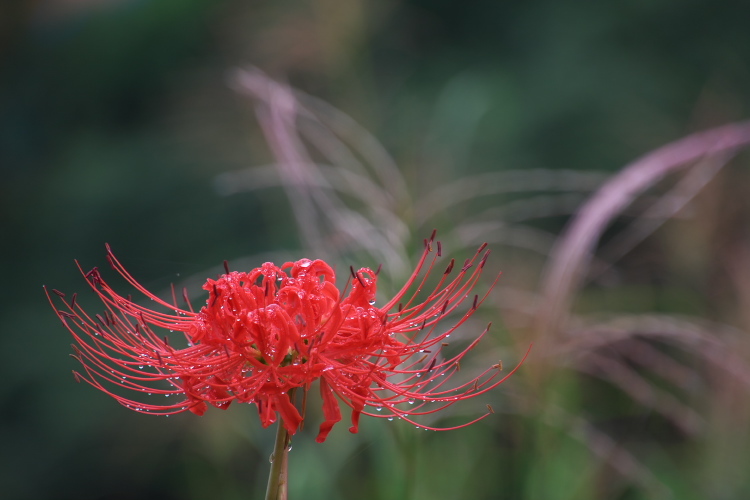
(278, 477)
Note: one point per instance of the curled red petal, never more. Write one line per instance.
(199, 408)
(331, 411)
(289, 414)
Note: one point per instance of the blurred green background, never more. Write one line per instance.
(117, 122)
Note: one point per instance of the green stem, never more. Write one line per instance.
(278, 476)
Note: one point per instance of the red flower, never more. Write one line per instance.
(265, 333)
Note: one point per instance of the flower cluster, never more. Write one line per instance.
(266, 333)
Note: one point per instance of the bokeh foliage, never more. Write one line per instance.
(117, 121)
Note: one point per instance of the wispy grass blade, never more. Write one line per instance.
(574, 250)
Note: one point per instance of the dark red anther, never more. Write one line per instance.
(424, 322)
(76, 376)
(226, 266)
(445, 306)
(440, 249)
(434, 233)
(361, 282)
(489, 408)
(467, 265)
(93, 273)
(356, 275)
(73, 300)
(101, 320)
(312, 343)
(400, 307)
(216, 295)
(66, 314)
(432, 364)
(158, 357)
(58, 293)
(380, 266)
(185, 296)
(474, 305)
(484, 259)
(449, 269)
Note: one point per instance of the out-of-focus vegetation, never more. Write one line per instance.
(128, 122)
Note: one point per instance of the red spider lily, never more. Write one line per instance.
(263, 334)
